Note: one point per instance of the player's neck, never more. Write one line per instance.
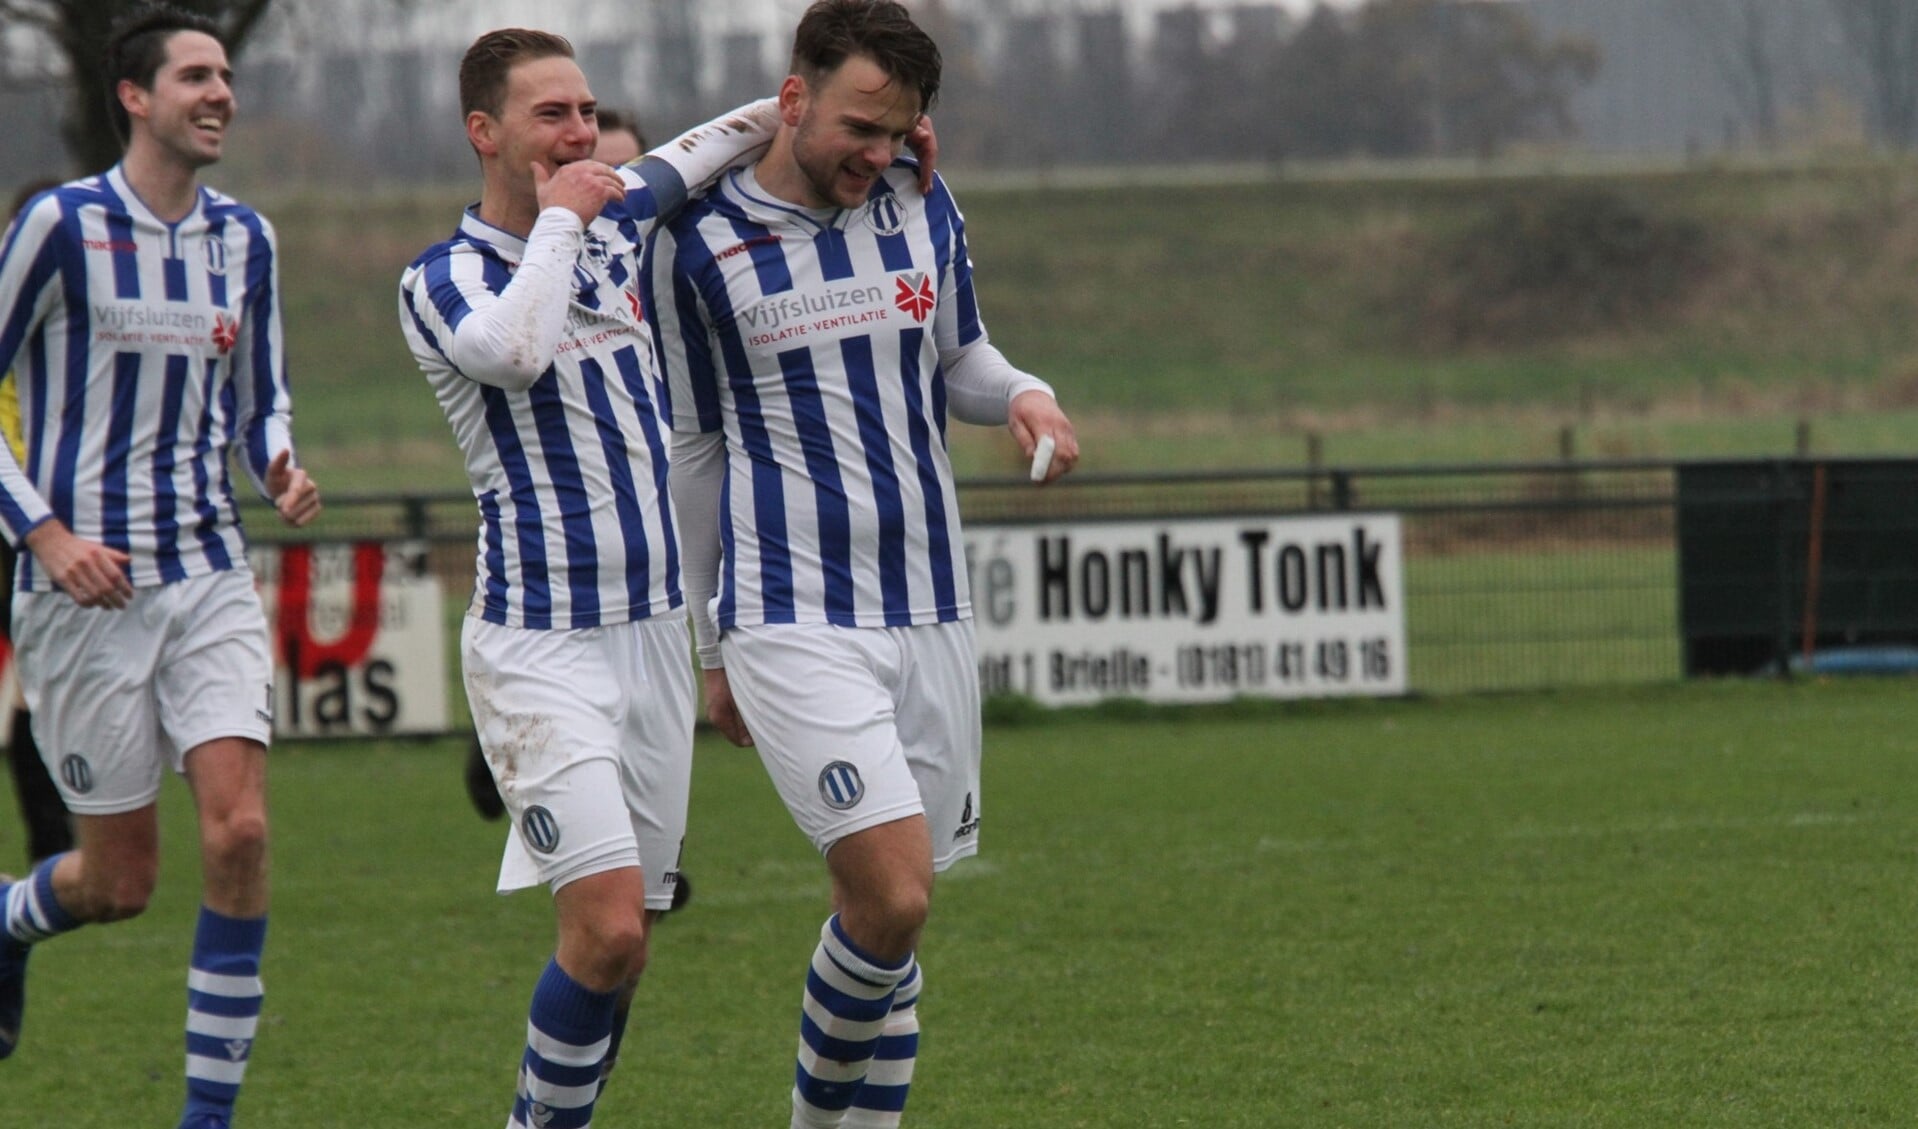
(501, 206)
(779, 175)
(167, 186)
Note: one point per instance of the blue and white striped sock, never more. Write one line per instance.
(881, 1099)
(848, 1001)
(223, 994)
(29, 910)
(567, 1034)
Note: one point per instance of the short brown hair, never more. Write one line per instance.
(832, 31)
(136, 49)
(483, 71)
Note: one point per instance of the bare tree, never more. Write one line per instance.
(78, 29)
(1742, 38)
(1884, 36)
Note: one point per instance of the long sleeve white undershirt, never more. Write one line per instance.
(511, 342)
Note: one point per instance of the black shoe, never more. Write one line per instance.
(480, 787)
(13, 988)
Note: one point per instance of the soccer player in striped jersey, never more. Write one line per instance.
(527, 325)
(816, 321)
(140, 311)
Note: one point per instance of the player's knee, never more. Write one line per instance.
(907, 907)
(237, 841)
(120, 895)
(613, 947)
(890, 917)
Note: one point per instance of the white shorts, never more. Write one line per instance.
(117, 694)
(589, 734)
(860, 726)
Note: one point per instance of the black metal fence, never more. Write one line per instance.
(1518, 575)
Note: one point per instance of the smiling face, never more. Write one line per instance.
(846, 129)
(548, 116)
(188, 110)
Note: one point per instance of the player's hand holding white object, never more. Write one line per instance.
(1042, 458)
(1044, 434)
(583, 188)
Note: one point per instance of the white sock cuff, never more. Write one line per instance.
(869, 969)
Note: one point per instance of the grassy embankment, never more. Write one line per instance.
(1697, 314)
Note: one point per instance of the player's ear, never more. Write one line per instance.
(133, 97)
(480, 128)
(793, 94)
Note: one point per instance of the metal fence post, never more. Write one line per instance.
(1780, 489)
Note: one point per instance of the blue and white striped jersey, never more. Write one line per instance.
(570, 473)
(145, 350)
(813, 340)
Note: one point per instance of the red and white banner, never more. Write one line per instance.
(358, 638)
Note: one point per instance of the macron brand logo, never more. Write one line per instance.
(914, 295)
(742, 248)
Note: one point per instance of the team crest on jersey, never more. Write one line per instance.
(840, 786)
(597, 249)
(885, 216)
(226, 333)
(214, 251)
(914, 294)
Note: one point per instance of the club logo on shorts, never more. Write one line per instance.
(840, 786)
(77, 774)
(968, 821)
(885, 216)
(540, 830)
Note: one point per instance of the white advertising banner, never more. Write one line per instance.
(1195, 610)
(358, 638)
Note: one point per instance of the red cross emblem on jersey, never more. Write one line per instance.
(915, 295)
(226, 333)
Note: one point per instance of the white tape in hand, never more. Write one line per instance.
(1042, 458)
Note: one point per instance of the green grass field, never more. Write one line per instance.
(1679, 906)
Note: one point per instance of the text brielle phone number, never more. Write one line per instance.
(1248, 667)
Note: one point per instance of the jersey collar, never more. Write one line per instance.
(116, 178)
(742, 188)
(510, 246)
